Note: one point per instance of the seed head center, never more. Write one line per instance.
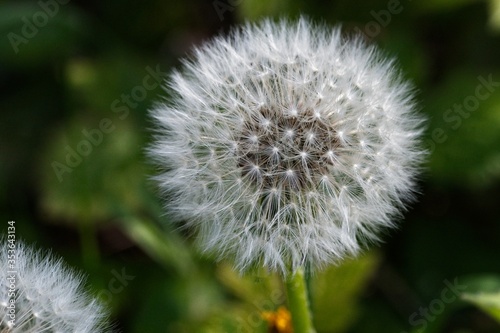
(286, 150)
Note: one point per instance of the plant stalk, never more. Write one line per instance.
(298, 302)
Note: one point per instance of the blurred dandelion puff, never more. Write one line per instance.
(287, 145)
(44, 294)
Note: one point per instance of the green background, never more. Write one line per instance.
(65, 69)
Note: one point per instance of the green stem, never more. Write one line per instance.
(298, 302)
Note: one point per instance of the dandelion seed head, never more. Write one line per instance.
(48, 295)
(300, 145)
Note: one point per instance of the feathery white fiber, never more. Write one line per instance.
(49, 296)
(286, 144)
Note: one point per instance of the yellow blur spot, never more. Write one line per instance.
(279, 321)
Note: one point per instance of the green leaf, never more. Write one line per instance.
(167, 249)
(335, 292)
(488, 302)
(495, 14)
(251, 295)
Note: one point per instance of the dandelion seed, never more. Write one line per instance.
(316, 145)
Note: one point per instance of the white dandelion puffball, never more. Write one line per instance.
(286, 145)
(44, 294)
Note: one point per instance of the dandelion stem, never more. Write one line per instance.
(298, 302)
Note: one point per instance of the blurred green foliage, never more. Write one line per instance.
(87, 71)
